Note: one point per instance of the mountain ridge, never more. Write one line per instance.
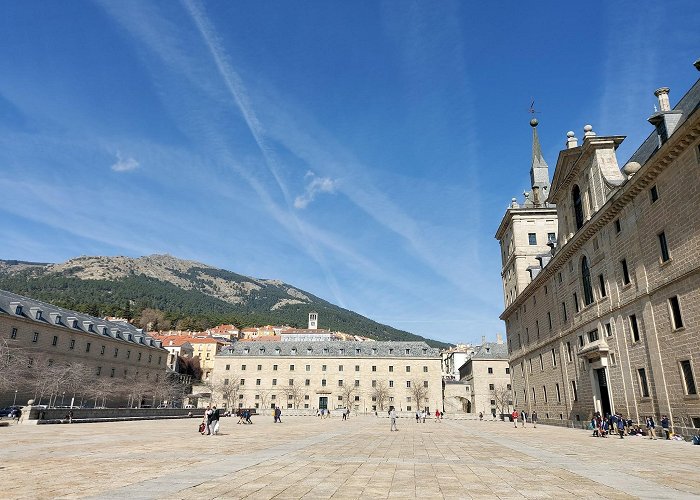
(188, 292)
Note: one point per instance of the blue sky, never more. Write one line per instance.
(362, 151)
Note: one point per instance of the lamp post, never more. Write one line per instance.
(14, 401)
(63, 395)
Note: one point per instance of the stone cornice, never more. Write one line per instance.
(687, 133)
(524, 211)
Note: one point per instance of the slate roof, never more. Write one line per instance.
(338, 348)
(59, 317)
(491, 350)
(688, 104)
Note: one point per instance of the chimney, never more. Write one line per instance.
(483, 339)
(662, 95)
(571, 141)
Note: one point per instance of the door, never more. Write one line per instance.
(604, 394)
(323, 402)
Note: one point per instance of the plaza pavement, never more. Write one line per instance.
(305, 457)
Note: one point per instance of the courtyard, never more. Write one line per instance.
(305, 457)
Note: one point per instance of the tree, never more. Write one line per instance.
(502, 396)
(13, 367)
(380, 393)
(294, 393)
(264, 398)
(348, 394)
(100, 390)
(419, 392)
(229, 390)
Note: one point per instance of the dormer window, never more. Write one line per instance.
(18, 308)
(325, 350)
(294, 350)
(309, 350)
(246, 351)
(105, 331)
(37, 313)
(56, 318)
(374, 350)
(341, 352)
(357, 351)
(425, 351)
(391, 351)
(277, 350)
(262, 350)
(408, 351)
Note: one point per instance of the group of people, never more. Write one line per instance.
(618, 424)
(421, 415)
(277, 415)
(522, 417)
(210, 422)
(243, 417)
(323, 413)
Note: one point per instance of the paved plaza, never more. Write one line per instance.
(305, 457)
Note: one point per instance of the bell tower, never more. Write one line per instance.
(313, 320)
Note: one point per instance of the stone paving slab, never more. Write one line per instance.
(305, 457)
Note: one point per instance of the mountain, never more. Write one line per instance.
(184, 294)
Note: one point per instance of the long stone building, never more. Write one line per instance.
(46, 335)
(605, 316)
(363, 376)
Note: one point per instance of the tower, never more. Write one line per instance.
(313, 321)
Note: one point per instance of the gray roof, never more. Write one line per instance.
(338, 348)
(71, 320)
(491, 350)
(688, 104)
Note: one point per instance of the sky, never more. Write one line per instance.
(363, 151)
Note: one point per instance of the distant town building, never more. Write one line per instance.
(487, 375)
(227, 331)
(605, 318)
(177, 347)
(453, 358)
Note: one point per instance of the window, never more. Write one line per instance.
(534, 396)
(507, 370)
(307, 382)
(324, 368)
(116, 352)
(308, 368)
(357, 368)
(688, 377)
(291, 381)
(532, 238)
(581, 342)
(408, 369)
(625, 272)
(71, 345)
(643, 384)
(128, 354)
(613, 359)
(490, 370)
(586, 281)
(228, 367)
(374, 368)
(601, 286)
(654, 193)
(323, 383)
(137, 359)
(558, 393)
(576, 305)
(274, 368)
(391, 383)
(291, 368)
(226, 381)
(593, 335)
(618, 228)
(573, 390)
(676, 318)
(36, 337)
(13, 335)
(663, 246)
(340, 368)
(374, 383)
(391, 350)
(564, 316)
(608, 330)
(549, 320)
(102, 351)
(551, 237)
(541, 363)
(391, 369)
(54, 342)
(634, 327)
(242, 382)
(578, 206)
(357, 383)
(554, 358)
(259, 367)
(569, 355)
(274, 381)
(492, 387)
(425, 383)
(150, 358)
(340, 383)
(408, 351)
(544, 392)
(408, 384)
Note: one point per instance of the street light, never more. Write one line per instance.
(14, 401)
(63, 394)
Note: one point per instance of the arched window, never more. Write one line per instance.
(586, 279)
(578, 206)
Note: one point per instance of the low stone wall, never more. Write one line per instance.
(37, 415)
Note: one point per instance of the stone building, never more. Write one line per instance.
(454, 357)
(366, 376)
(609, 318)
(487, 377)
(48, 335)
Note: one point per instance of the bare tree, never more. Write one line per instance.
(228, 390)
(348, 393)
(502, 397)
(380, 393)
(264, 398)
(100, 390)
(294, 393)
(419, 393)
(13, 367)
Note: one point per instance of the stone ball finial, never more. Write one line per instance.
(534, 122)
(631, 168)
(570, 133)
(587, 128)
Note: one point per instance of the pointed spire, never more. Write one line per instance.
(539, 171)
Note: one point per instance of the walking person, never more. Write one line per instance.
(523, 415)
(651, 427)
(534, 419)
(514, 416)
(621, 426)
(214, 422)
(392, 417)
(206, 420)
(481, 416)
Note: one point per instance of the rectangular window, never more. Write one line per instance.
(71, 345)
(490, 370)
(291, 381)
(625, 272)
(13, 335)
(274, 368)
(618, 227)
(128, 354)
(408, 369)
(425, 383)
(634, 327)
(36, 337)
(507, 370)
(676, 318)
(226, 381)
(549, 320)
(608, 330)
(541, 363)
(663, 246)
(374, 383)
(391, 383)
(573, 390)
(242, 382)
(554, 358)
(102, 351)
(688, 377)
(54, 342)
(425, 369)
(576, 304)
(307, 382)
(340, 383)
(569, 354)
(137, 359)
(357, 383)
(340, 368)
(558, 393)
(87, 348)
(324, 368)
(357, 368)
(408, 384)
(391, 369)
(532, 238)
(581, 342)
(564, 316)
(654, 193)
(323, 383)
(116, 352)
(492, 387)
(374, 368)
(593, 335)
(544, 392)
(291, 368)
(551, 237)
(643, 384)
(274, 381)
(308, 368)
(601, 286)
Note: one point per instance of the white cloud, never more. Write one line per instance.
(315, 186)
(125, 164)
